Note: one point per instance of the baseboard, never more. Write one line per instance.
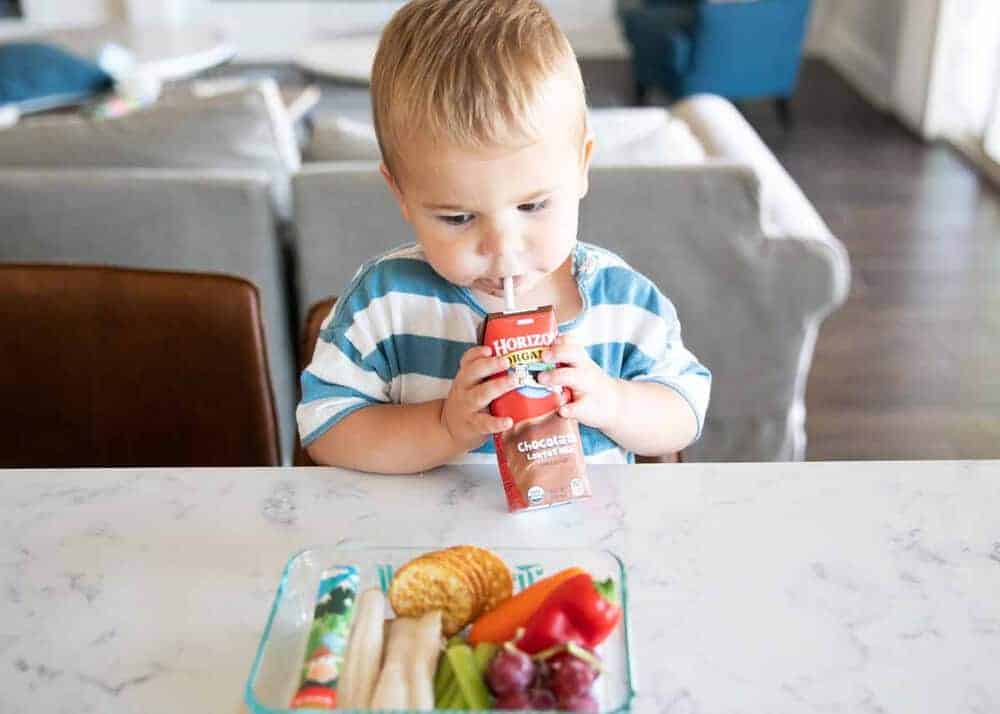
(974, 153)
(860, 66)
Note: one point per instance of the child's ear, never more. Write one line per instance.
(396, 191)
(586, 154)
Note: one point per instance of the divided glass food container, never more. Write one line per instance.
(274, 676)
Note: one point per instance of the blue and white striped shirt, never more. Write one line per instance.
(398, 333)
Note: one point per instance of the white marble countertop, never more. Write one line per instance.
(817, 587)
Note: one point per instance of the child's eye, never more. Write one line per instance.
(533, 207)
(457, 220)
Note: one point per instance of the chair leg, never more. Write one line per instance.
(784, 108)
(640, 93)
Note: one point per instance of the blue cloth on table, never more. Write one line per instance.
(35, 76)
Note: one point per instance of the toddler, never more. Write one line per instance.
(480, 113)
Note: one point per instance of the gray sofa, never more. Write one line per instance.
(697, 203)
(720, 226)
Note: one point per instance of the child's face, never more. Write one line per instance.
(484, 214)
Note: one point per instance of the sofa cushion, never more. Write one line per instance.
(630, 137)
(646, 136)
(238, 130)
(36, 76)
(341, 138)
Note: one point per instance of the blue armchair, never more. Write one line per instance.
(740, 49)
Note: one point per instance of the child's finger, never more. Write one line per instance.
(561, 377)
(476, 370)
(576, 410)
(489, 390)
(566, 353)
(474, 353)
(569, 410)
(489, 424)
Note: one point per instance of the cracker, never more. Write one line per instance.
(500, 581)
(462, 581)
(429, 583)
(467, 559)
(454, 562)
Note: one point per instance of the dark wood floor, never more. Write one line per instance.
(909, 368)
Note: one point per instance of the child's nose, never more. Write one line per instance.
(503, 240)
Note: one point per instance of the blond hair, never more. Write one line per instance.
(467, 72)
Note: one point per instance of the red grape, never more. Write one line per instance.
(510, 671)
(583, 702)
(541, 680)
(514, 701)
(570, 675)
(543, 700)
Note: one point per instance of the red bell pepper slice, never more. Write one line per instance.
(580, 610)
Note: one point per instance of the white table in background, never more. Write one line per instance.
(166, 52)
(814, 587)
(346, 58)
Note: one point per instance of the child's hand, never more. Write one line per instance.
(465, 413)
(595, 393)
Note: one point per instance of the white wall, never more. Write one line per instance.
(860, 38)
(72, 11)
(914, 61)
(275, 30)
(886, 49)
(966, 70)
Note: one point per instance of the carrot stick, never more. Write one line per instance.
(502, 622)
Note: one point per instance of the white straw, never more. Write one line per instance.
(508, 294)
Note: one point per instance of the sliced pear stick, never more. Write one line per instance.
(426, 650)
(363, 657)
(392, 688)
(411, 654)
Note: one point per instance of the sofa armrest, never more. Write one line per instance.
(750, 304)
(344, 215)
(785, 211)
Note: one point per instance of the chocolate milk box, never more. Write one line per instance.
(540, 457)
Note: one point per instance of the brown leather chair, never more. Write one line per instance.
(115, 367)
(318, 313)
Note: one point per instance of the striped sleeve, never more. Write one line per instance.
(348, 370)
(643, 337)
(675, 366)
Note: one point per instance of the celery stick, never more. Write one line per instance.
(474, 691)
(484, 653)
(442, 679)
(452, 696)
